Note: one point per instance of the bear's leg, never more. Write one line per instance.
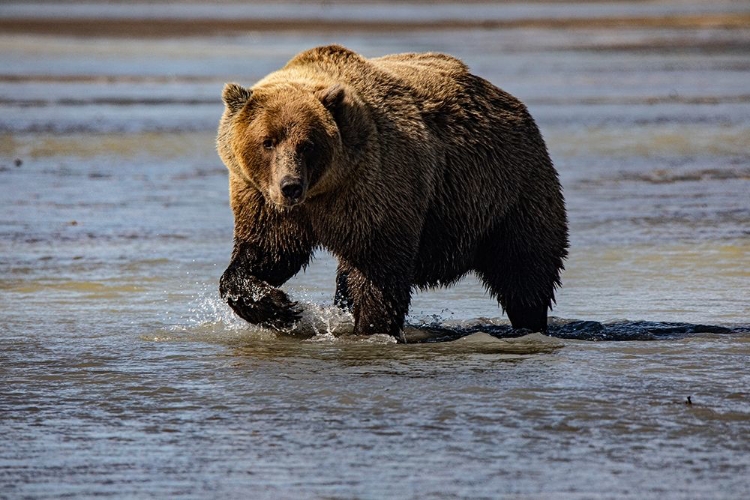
(520, 263)
(522, 276)
(379, 304)
(524, 299)
(532, 318)
(255, 301)
(250, 284)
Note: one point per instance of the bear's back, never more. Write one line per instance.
(430, 74)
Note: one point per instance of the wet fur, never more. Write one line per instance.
(418, 173)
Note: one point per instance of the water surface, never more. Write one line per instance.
(122, 374)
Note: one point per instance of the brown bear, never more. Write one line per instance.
(408, 168)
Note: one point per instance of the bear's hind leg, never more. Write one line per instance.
(523, 298)
(532, 318)
(522, 274)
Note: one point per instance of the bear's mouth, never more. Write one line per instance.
(286, 203)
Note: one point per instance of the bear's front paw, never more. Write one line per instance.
(259, 303)
(273, 309)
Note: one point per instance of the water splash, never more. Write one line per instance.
(321, 323)
(210, 316)
(210, 310)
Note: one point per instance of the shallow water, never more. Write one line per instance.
(122, 374)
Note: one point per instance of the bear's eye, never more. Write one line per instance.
(269, 143)
(307, 147)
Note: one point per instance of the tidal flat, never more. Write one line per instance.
(123, 375)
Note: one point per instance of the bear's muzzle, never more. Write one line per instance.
(292, 189)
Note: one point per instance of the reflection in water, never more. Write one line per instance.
(378, 350)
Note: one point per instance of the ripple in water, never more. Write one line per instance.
(210, 318)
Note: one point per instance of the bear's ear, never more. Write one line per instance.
(332, 97)
(235, 96)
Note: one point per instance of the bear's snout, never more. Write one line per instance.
(292, 189)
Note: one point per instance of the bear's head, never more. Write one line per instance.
(283, 139)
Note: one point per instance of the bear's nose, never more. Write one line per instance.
(291, 188)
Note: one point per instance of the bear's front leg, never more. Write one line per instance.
(270, 247)
(255, 301)
(379, 303)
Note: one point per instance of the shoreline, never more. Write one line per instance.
(161, 28)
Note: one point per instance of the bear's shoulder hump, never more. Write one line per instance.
(327, 54)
